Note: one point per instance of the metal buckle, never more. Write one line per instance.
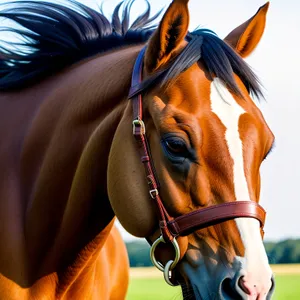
(138, 123)
(159, 265)
(153, 193)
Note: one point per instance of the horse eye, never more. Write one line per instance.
(176, 146)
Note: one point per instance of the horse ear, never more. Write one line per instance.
(246, 37)
(168, 36)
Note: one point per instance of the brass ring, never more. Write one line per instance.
(158, 264)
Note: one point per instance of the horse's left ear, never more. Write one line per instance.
(246, 37)
(168, 36)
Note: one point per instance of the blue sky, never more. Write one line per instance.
(276, 61)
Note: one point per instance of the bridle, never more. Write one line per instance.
(171, 228)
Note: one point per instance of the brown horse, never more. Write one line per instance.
(69, 162)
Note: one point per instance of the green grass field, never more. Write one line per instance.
(146, 284)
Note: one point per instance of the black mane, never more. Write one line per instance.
(54, 36)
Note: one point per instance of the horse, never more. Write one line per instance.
(151, 124)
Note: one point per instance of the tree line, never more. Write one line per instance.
(282, 252)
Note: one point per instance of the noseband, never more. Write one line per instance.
(183, 225)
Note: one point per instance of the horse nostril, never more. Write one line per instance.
(245, 286)
(228, 290)
(242, 286)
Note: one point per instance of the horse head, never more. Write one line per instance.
(207, 139)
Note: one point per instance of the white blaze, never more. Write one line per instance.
(229, 111)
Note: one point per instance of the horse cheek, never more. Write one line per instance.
(127, 185)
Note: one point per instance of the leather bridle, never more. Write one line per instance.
(183, 225)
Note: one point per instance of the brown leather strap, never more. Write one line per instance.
(135, 82)
(212, 215)
(139, 133)
(192, 221)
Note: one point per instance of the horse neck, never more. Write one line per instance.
(70, 172)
